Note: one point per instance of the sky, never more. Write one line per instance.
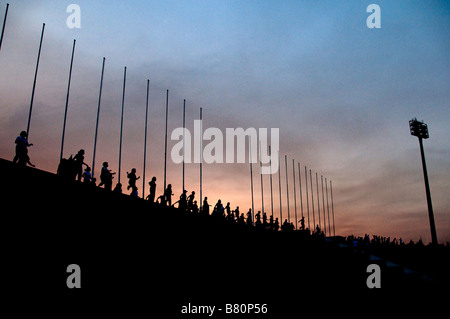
(340, 93)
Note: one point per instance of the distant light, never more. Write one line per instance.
(418, 128)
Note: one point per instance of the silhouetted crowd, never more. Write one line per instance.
(377, 241)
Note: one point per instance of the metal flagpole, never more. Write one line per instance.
(318, 201)
(300, 182)
(323, 208)
(287, 188)
(121, 121)
(145, 139)
(184, 149)
(201, 158)
(279, 186)
(4, 24)
(67, 102)
(260, 173)
(312, 201)
(295, 195)
(165, 139)
(98, 115)
(307, 197)
(332, 208)
(271, 188)
(328, 207)
(251, 177)
(34, 82)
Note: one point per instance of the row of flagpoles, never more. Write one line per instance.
(325, 196)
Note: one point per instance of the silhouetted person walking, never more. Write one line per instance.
(190, 201)
(152, 195)
(302, 223)
(195, 207)
(249, 217)
(87, 176)
(218, 209)
(132, 180)
(258, 219)
(78, 162)
(205, 206)
(168, 195)
(277, 224)
(22, 150)
(236, 212)
(106, 177)
(182, 203)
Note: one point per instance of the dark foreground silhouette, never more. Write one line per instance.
(136, 257)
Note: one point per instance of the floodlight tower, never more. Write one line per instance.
(420, 130)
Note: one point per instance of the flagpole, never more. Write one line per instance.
(165, 139)
(323, 207)
(295, 195)
(34, 82)
(251, 177)
(4, 25)
(184, 129)
(121, 122)
(271, 188)
(98, 115)
(67, 102)
(328, 207)
(279, 187)
(332, 208)
(312, 200)
(307, 197)
(201, 158)
(287, 188)
(300, 182)
(318, 201)
(145, 139)
(260, 173)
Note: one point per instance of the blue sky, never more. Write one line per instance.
(341, 93)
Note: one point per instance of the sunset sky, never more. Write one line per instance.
(340, 93)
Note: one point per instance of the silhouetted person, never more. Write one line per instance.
(168, 195)
(271, 223)
(241, 220)
(78, 162)
(106, 177)
(118, 188)
(132, 179)
(22, 149)
(218, 209)
(228, 209)
(87, 176)
(258, 219)
(265, 224)
(182, 203)
(236, 212)
(317, 229)
(134, 192)
(285, 226)
(249, 217)
(152, 195)
(190, 201)
(205, 206)
(277, 224)
(195, 207)
(302, 223)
